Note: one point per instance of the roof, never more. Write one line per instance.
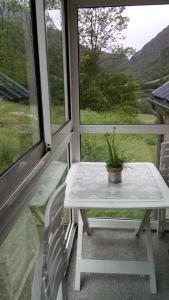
(160, 96)
(162, 92)
(10, 89)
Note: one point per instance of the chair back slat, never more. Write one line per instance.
(54, 247)
(57, 278)
(51, 267)
(51, 255)
(53, 236)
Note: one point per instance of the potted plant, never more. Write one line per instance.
(114, 163)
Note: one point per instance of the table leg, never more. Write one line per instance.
(85, 221)
(150, 255)
(117, 267)
(79, 253)
(145, 224)
(144, 221)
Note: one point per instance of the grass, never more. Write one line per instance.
(18, 131)
(146, 119)
(128, 214)
(115, 117)
(57, 116)
(137, 147)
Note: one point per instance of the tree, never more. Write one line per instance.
(120, 90)
(100, 28)
(53, 4)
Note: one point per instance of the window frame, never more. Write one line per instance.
(73, 6)
(67, 103)
(14, 175)
(17, 183)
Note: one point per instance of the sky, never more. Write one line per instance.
(145, 23)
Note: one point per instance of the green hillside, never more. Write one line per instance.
(152, 61)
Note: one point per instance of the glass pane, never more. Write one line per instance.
(17, 259)
(19, 122)
(18, 252)
(135, 148)
(54, 27)
(53, 176)
(121, 61)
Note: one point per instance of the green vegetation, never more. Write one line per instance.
(18, 127)
(12, 51)
(55, 68)
(127, 214)
(101, 28)
(137, 147)
(115, 158)
(115, 116)
(57, 116)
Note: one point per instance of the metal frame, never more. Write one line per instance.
(41, 30)
(126, 129)
(20, 198)
(74, 79)
(17, 184)
(73, 6)
(104, 3)
(13, 177)
(62, 137)
(66, 61)
(34, 161)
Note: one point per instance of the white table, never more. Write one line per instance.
(142, 187)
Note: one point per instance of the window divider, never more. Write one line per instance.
(126, 129)
(42, 46)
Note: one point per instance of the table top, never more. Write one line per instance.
(142, 187)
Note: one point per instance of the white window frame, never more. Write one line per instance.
(41, 155)
(73, 6)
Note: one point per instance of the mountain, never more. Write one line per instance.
(152, 61)
(150, 65)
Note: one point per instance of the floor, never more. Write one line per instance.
(120, 245)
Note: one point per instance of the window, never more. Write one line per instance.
(56, 63)
(120, 64)
(121, 61)
(53, 176)
(19, 118)
(135, 147)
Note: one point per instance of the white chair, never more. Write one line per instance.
(49, 282)
(164, 170)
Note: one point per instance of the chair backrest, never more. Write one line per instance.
(51, 261)
(164, 161)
